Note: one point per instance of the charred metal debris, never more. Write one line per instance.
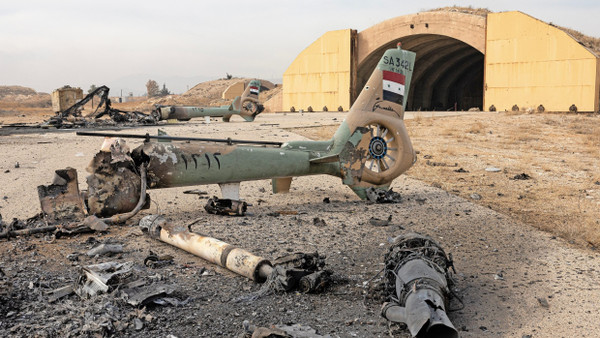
(226, 206)
(110, 198)
(380, 195)
(72, 117)
(63, 210)
(418, 285)
(296, 272)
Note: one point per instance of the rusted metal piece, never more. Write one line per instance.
(315, 282)
(94, 223)
(61, 200)
(226, 206)
(211, 249)
(302, 272)
(120, 218)
(114, 186)
(29, 231)
(417, 281)
(90, 223)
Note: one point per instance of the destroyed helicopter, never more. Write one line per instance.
(246, 105)
(369, 149)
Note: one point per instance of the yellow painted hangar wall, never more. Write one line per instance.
(529, 62)
(321, 74)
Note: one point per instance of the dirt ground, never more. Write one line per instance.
(514, 279)
(542, 169)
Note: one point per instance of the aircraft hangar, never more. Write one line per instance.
(501, 61)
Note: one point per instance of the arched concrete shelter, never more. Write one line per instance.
(463, 61)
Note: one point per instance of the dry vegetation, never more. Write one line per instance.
(17, 102)
(466, 10)
(560, 152)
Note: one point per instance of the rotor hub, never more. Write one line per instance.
(378, 147)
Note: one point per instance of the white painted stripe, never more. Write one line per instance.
(393, 87)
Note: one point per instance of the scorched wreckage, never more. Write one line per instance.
(368, 151)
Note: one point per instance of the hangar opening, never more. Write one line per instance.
(528, 64)
(448, 73)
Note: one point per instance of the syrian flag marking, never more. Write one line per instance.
(393, 86)
(254, 90)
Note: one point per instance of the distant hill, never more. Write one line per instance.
(12, 96)
(208, 93)
(15, 90)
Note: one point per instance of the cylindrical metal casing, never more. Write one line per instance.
(216, 251)
(211, 249)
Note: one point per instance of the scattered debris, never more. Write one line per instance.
(211, 249)
(196, 192)
(101, 278)
(475, 196)
(380, 195)
(522, 176)
(440, 164)
(154, 261)
(461, 170)
(493, 169)
(417, 280)
(61, 201)
(226, 207)
(38, 224)
(59, 293)
(281, 331)
(319, 222)
(326, 200)
(380, 222)
(299, 271)
(543, 302)
(154, 293)
(105, 249)
(72, 117)
(94, 223)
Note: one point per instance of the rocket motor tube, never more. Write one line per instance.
(211, 249)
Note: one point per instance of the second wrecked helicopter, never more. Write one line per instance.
(370, 148)
(246, 105)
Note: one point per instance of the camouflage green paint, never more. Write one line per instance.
(247, 106)
(344, 155)
(175, 165)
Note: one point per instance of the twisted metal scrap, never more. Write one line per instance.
(409, 247)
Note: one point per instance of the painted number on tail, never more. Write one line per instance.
(397, 62)
(393, 86)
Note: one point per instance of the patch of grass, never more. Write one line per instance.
(558, 146)
(476, 128)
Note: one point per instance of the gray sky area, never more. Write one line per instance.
(47, 44)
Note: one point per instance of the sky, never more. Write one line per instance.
(122, 44)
